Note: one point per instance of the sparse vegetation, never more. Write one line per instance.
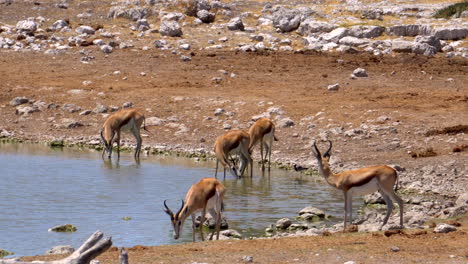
(4, 253)
(452, 11)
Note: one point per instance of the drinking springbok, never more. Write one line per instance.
(231, 143)
(263, 131)
(207, 194)
(122, 120)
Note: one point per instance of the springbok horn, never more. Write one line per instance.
(327, 153)
(167, 210)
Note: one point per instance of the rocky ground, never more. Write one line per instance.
(386, 83)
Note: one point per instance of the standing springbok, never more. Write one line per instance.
(263, 131)
(123, 120)
(233, 142)
(362, 181)
(207, 194)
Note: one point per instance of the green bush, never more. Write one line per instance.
(450, 11)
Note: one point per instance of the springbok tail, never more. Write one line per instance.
(397, 186)
(275, 138)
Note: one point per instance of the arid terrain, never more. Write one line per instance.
(411, 111)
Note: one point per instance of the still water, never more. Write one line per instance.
(42, 187)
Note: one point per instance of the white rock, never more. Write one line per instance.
(170, 28)
(85, 30)
(333, 87)
(27, 25)
(444, 228)
(106, 49)
(360, 72)
(60, 250)
(235, 24)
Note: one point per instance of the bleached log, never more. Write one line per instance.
(90, 249)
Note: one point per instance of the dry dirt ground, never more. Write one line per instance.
(399, 87)
(411, 246)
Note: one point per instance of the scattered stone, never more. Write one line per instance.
(85, 30)
(219, 111)
(28, 25)
(19, 101)
(60, 250)
(226, 126)
(154, 121)
(235, 24)
(283, 223)
(22, 110)
(311, 214)
(58, 25)
(127, 105)
(100, 109)
(86, 112)
(444, 228)
(285, 122)
(360, 72)
(462, 199)
(205, 16)
(286, 20)
(63, 228)
(71, 108)
(310, 26)
(170, 28)
(247, 259)
(395, 249)
(231, 233)
(106, 49)
(185, 58)
(333, 87)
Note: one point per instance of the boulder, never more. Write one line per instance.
(142, 24)
(60, 250)
(58, 25)
(63, 228)
(444, 228)
(70, 108)
(28, 25)
(231, 233)
(360, 72)
(235, 24)
(366, 31)
(21, 110)
(310, 26)
(19, 101)
(353, 41)
(462, 199)
(85, 30)
(283, 223)
(285, 122)
(430, 40)
(335, 35)
(451, 33)
(205, 16)
(193, 6)
(409, 30)
(170, 28)
(133, 13)
(399, 45)
(106, 49)
(286, 20)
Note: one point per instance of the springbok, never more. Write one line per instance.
(122, 120)
(207, 194)
(263, 131)
(362, 181)
(233, 142)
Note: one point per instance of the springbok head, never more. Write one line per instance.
(176, 219)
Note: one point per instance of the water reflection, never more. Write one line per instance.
(60, 186)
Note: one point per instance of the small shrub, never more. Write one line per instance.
(450, 11)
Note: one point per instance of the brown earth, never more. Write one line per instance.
(410, 246)
(399, 87)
